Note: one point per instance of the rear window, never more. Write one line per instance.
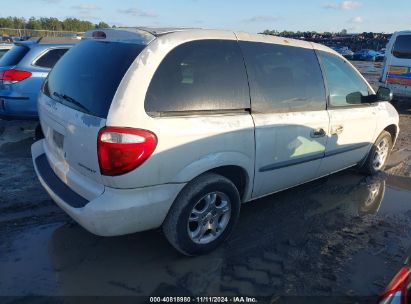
(50, 58)
(87, 77)
(402, 47)
(14, 56)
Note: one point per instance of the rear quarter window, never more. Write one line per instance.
(402, 47)
(50, 58)
(88, 75)
(204, 75)
(14, 56)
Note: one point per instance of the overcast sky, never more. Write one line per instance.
(249, 15)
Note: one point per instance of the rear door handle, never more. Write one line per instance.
(317, 133)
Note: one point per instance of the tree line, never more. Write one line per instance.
(50, 24)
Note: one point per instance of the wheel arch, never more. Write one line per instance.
(237, 175)
(237, 167)
(393, 130)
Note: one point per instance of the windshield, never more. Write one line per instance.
(87, 77)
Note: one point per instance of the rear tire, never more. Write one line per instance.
(378, 155)
(203, 215)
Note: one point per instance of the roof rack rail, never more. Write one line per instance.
(165, 30)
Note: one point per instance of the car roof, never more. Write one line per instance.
(403, 33)
(154, 31)
(145, 35)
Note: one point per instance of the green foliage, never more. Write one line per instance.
(102, 25)
(51, 24)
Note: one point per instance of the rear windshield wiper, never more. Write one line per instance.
(71, 100)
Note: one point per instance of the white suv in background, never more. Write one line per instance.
(396, 73)
(176, 128)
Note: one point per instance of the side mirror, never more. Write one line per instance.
(384, 94)
(354, 98)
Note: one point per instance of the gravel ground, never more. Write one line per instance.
(342, 236)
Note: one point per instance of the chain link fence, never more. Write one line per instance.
(36, 33)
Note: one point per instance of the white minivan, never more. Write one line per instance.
(176, 128)
(396, 73)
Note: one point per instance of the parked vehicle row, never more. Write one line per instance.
(179, 127)
(345, 52)
(363, 55)
(381, 55)
(366, 55)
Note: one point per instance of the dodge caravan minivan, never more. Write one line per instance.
(176, 128)
(396, 73)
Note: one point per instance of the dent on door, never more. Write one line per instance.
(289, 149)
(351, 135)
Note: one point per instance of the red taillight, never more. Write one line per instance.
(13, 76)
(398, 287)
(99, 35)
(121, 150)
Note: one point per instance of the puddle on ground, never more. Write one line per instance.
(16, 138)
(398, 202)
(25, 264)
(15, 130)
(306, 241)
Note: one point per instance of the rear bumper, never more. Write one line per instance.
(115, 211)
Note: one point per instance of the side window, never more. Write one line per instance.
(200, 75)
(402, 47)
(344, 83)
(50, 58)
(283, 78)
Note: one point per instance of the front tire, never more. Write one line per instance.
(203, 215)
(378, 155)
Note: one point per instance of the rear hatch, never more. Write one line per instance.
(12, 58)
(398, 70)
(74, 105)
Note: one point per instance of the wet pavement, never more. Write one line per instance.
(344, 235)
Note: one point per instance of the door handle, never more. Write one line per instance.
(335, 130)
(317, 133)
